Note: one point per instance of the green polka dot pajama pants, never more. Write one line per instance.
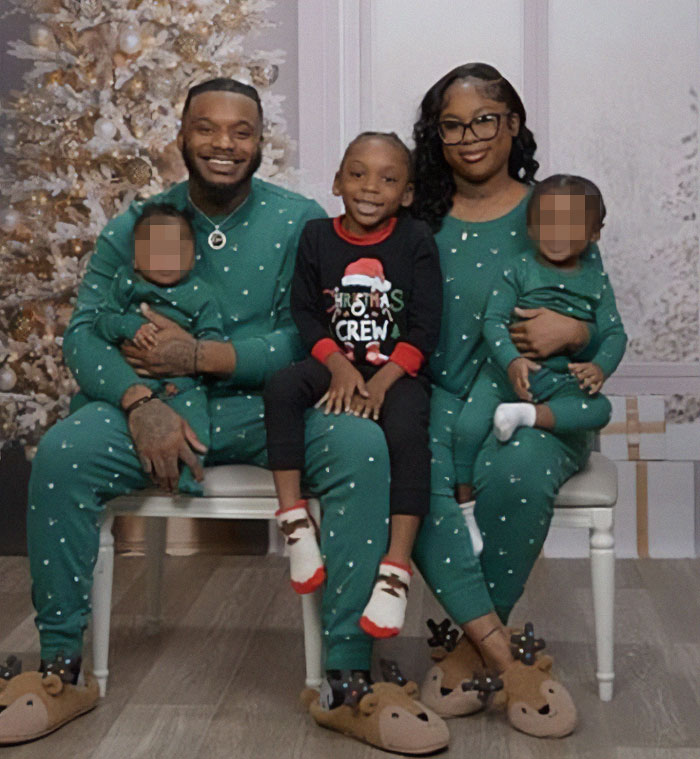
(89, 458)
(515, 484)
(574, 410)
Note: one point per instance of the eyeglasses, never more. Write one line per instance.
(483, 127)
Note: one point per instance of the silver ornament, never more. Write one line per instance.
(40, 35)
(8, 379)
(105, 129)
(130, 40)
(9, 219)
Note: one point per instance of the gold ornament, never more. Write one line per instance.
(187, 46)
(138, 172)
(23, 323)
(135, 86)
(55, 77)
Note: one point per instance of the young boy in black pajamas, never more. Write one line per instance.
(367, 300)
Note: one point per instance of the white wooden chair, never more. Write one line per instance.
(240, 491)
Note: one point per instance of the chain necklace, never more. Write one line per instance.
(216, 239)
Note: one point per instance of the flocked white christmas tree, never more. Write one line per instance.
(94, 126)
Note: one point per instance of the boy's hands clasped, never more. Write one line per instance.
(349, 393)
(346, 380)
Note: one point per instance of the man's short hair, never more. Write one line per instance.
(223, 84)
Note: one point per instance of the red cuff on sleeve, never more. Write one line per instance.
(408, 357)
(323, 348)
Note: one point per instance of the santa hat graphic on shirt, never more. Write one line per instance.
(366, 272)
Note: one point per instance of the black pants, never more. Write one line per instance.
(404, 418)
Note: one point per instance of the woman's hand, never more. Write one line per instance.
(173, 354)
(162, 438)
(543, 333)
(518, 373)
(345, 382)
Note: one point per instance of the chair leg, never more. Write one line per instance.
(275, 541)
(313, 641)
(602, 544)
(311, 613)
(102, 604)
(155, 552)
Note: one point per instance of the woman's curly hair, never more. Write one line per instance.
(434, 184)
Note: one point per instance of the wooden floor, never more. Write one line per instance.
(221, 678)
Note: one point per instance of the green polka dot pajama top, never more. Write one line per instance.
(515, 482)
(583, 293)
(189, 304)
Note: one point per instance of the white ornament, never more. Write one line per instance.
(40, 35)
(130, 40)
(9, 219)
(8, 379)
(105, 129)
(9, 137)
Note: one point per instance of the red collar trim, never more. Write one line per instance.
(370, 239)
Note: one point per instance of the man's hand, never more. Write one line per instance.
(173, 354)
(345, 381)
(544, 333)
(519, 375)
(377, 387)
(162, 438)
(589, 375)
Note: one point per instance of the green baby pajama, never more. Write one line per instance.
(515, 483)
(89, 457)
(188, 304)
(583, 293)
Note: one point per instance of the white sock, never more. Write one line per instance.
(510, 416)
(384, 614)
(305, 561)
(472, 526)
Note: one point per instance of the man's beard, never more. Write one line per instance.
(219, 193)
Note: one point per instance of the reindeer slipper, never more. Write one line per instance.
(459, 683)
(33, 704)
(536, 703)
(386, 715)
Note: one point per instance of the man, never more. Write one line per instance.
(246, 233)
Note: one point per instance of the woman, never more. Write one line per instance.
(474, 166)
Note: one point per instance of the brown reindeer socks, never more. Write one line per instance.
(305, 562)
(384, 614)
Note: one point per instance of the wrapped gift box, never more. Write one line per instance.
(637, 429)
(654, 515)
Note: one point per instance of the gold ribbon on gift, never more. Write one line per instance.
(633, 428)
